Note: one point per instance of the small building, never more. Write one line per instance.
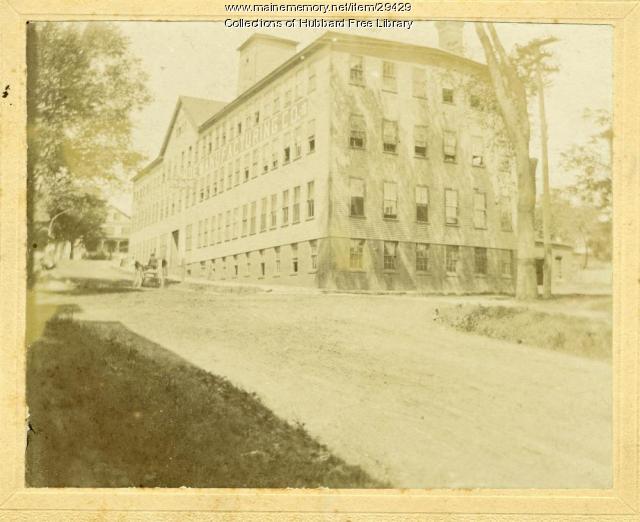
(564, 266)
(115, 241)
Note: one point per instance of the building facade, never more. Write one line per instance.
(356, 163)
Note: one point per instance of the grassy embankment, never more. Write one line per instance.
(111, 409)
(582, 336)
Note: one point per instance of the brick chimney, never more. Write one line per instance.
(259, 55)
(450, 36)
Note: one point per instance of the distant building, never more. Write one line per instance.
(116, 231)
(565, 262)
(355, 163)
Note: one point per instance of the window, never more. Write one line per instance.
(205, 233)
(294, 258)
(390, 248)
(235, 222)
(248, 263)
(451, 261)
(390, 200)
(419, 83)
(313, 252)
(212, 238)
(311, 85)
(474, 101)
(245, 219)
(277, 253)
(199, 236)
(477, 151)
(356, 251)
(447, 95)
(506, 222)
(287, 148)
(422, 257)
(227, 226)
(451, 206)
(505, 163)
(274, 155)
(357, 134)
(480, 257)
(265, 160)
(505, 263)
(274, 211)
(310, 200)
(297, 143)
(296, 204)
(389, 76)
(220, 227)
(285, 208)
(450, 145)
(356, 186)
(389, 136)
(311, 137)
(188, 239)
(479, 210)
(252, 222)
(356, 70)
(420, 141)
(422, 204)
(254, 163)
(263, 215)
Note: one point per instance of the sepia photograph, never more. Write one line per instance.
(336, 255)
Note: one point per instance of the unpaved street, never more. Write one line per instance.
(376, 380)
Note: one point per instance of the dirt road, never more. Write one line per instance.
(376, 380)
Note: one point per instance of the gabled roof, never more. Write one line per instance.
(198, 111)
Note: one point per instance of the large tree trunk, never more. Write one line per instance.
(526, 281)
(512, 100)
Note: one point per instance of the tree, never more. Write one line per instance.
(80, 216)
(512, 101)
(532, 62)
(83, 86)
(576, 223)
(591, 162)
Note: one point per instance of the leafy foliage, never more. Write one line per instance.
(83, 87)
(80, 216)
(526, 59)
(591, 161)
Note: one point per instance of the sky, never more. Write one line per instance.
(200, 59)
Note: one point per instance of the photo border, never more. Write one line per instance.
(618, 503)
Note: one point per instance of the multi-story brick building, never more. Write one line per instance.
(353, 163)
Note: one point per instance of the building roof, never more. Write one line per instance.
(262, 36)
(365, 44)
(198, 111)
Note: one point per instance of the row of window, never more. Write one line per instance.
(232, 270)
(418, 81)
(226, 178)
(243, 221)
(423, 260)
(451, 204)
(358, 139)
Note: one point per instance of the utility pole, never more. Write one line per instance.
(546, 198)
